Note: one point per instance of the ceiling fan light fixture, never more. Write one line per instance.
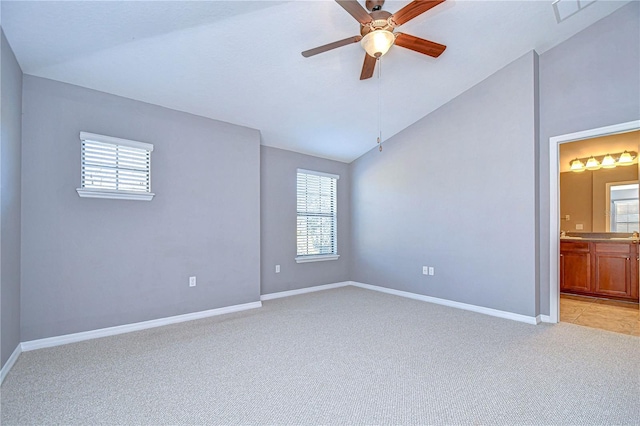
(378, 42)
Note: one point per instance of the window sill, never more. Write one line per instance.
(317, 258)
(116, 195)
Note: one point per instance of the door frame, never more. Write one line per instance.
(554, 202)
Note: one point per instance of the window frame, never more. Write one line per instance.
(610, 213)
(305, 258)
(110, 193)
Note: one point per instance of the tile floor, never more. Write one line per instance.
(612, 315)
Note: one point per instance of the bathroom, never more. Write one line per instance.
(599, 222)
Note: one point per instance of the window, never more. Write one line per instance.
(625, 216)
(623, 197)
(115, 168)
(317, 216)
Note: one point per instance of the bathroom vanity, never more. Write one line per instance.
(599, 265)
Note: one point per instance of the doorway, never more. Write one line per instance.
(554, 203)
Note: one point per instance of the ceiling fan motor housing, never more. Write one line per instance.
(380, 22)
(373, 5)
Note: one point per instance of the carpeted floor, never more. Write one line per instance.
(343, 356)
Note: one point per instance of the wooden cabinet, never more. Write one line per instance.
(615, 267)
(599, 269)
(575, 267)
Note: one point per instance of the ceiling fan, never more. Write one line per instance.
(377, 31)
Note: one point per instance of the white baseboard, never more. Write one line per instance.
(451, 303)
(127, 328)
(303, 290)
(545, 318)
(9, 364)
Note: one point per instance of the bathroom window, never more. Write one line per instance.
(317, 216)
(624, 208)
(625, 216)
(115, 168)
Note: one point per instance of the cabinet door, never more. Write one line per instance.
(613, 275)
(575, 271)
(613, 272)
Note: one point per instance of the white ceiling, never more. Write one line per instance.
(240, 62)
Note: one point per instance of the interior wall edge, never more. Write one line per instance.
(10, 200)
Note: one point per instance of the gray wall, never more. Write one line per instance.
(456, 191)
(11, 100)
(589, 81)
(93, 263)
(278, 222)
(88, 263)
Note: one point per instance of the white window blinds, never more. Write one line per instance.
(317, 214)
(115, 168)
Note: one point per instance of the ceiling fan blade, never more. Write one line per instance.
(331, 46)
(412, 10)
(419, 45)
(356, 10)
(368, 67)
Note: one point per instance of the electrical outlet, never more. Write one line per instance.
(579, 226)
(192, 281)
(431, 270)
(425, 270)
(277, 269)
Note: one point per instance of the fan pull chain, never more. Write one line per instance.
(379, 104)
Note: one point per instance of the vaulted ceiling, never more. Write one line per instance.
(240, 61)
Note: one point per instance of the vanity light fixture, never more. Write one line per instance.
(592, 164)
(608, 161)
(577, 166)
(626, 159)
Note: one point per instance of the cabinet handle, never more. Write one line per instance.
(628, 258)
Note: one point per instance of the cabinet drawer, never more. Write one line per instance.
(574, 246)
(613, 248)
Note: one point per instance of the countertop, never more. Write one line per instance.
(627, 240)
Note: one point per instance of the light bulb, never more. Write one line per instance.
(592, 164)
(577, 166)
(608, 162)
(625, 159)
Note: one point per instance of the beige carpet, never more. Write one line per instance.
(343, 356)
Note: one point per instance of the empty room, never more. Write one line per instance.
(320, 212)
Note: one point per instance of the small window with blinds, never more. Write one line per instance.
(317, 216)
(115, 168)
